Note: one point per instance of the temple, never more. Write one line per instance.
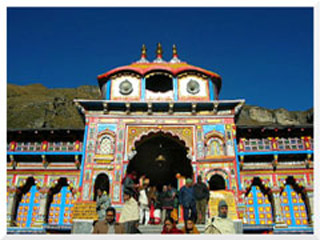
(163, 119)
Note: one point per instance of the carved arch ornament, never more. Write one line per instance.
(223, 173)
(215, 144)
(105, 146)
(182, 135)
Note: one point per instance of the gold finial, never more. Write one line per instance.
(143, 51)
(159, 50)
(174, 51)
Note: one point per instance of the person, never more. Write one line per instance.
(187, 200)
(109, 224)
(129, 185)
(190, 228)
(129, 216)
(144, 203)
(201, 194)
(220, 224)
(174, 193)
(102, 203)
(154, 205)
(166, 201)
(169, 227)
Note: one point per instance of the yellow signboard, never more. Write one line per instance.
(85, 210)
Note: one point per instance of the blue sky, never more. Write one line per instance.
(264, 55)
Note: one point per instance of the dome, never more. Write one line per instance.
(175, 68)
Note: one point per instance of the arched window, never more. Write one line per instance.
(29, 206)
(293, 207)
(61, 203)
(105, 145)
(215, 147)
(259, 208)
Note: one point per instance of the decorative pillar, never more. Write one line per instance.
(275, 162)
(274, 143)
(43, 204)
(11, 196)
(14, 209)
(310, 198)
(277, 208)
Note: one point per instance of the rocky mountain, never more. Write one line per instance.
(35, 106)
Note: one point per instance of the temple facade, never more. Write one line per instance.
(164, 120)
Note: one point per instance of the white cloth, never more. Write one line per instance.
(144, 213)
(130, 211)
(143, 199)
(220, 226)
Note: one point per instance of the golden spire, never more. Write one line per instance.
(143, 58)
(174, 51)
(159, 51)
(144, 51)
(175, 58)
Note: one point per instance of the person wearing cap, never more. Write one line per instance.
(102, 203)
(220, 224)
(188, 202)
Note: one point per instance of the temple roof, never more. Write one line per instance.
(144, 68)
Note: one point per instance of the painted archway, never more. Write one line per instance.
(160, 156)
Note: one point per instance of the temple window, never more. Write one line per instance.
(215, 147)
(28, 205)
(257, 144)
(294, 208)
(159, 86)
(258, 205)
(60, 204)
(290, 143)
(105, 145)
(159, 83)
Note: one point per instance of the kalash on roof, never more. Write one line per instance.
(175, 67)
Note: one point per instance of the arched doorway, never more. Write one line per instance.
(217, 182)
(102, 182)
(160, 156)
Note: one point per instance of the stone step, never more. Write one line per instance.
(157, 229)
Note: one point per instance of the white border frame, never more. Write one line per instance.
(141, 3)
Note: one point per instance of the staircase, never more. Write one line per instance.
(157, 229)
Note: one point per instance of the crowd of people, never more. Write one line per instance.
(144, 204)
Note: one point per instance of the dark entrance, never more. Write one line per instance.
(160, 157)
(102, 182)
(217, 182)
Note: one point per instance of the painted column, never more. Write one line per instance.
(211, 90)
(84, 145)
(175, 89)
(108, 90)
(277, 208)
(10, 206)
(14, 208)
(42, 210)
(143, 89)
(310, 197)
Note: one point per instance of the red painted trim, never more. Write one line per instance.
(158, 66)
